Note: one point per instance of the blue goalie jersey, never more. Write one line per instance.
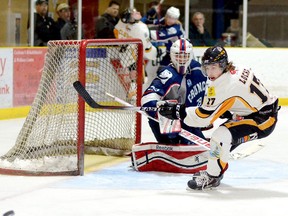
(188, 89)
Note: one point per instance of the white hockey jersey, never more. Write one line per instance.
(238, 91)
(137, 30)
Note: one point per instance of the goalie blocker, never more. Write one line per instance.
(174, 158)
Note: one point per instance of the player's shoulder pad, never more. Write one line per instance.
(195, 63)
(166, 73)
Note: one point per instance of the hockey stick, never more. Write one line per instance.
(238, 153)
(92, 103)
(245, 152)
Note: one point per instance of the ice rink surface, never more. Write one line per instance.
(257, 185)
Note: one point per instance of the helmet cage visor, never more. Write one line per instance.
(181, 55)
(181, 60)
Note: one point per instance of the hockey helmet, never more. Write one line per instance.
(213, 55)
(173, 12)
(126, 15)
(181, 53)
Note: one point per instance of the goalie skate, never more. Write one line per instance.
(202, 180)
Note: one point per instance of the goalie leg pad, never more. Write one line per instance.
(173, 158)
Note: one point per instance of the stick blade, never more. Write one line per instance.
(92, 103)
(85, 95)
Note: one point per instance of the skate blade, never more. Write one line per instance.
(201, 189)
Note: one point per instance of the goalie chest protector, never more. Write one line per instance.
(175, 158)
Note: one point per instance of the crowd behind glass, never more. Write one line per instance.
(210, 24)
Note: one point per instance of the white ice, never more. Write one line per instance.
(257, 185)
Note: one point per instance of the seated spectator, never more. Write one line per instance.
(45, 27)
(64, 14)
(106, 22)
(198, 34)
(66, 26)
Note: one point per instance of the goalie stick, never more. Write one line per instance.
(235, 155)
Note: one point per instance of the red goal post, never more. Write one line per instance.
(60, 128)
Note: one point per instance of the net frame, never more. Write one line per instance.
(82, 70)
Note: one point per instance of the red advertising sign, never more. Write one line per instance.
(28, 66)
(6, 76)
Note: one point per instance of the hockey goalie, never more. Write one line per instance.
(182, 80)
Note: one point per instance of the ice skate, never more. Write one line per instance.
(202, 180)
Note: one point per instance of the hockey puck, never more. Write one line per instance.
(9, 213)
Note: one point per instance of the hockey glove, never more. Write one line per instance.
(159, 52)
(151, 14)
(171, 110)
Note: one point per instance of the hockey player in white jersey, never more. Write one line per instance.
(130, 26)
(237, 94)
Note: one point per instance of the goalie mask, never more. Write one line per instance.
(181, 54)
(214, 55)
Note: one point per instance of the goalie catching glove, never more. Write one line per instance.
(172, 110)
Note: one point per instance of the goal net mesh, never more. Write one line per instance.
(50, 139)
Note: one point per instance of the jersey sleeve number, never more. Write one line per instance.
(210, 101)
(255, 89)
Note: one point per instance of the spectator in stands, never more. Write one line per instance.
(45, 27)
(106, 22)
(66, 26)
(64, 14)
(198, 34)
(168, 33)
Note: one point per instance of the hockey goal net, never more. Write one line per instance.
(60, 127)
